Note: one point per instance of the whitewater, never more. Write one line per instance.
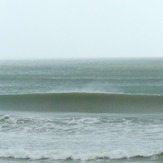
(70, 111)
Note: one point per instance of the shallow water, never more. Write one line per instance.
(81, 137)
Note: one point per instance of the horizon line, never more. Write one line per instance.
(76, 58)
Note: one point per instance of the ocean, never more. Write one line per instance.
(81, 111)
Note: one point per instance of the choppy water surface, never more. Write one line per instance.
(127, 76)
(80, 137)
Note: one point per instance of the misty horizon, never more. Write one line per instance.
(80, 29)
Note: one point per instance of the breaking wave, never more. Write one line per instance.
(73, 155)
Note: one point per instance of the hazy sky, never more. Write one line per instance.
(80, 28)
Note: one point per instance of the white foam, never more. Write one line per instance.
(79, 136)
(76, 155)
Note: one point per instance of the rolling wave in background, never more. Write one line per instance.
(83, 102)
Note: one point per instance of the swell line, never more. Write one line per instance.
(83, 102)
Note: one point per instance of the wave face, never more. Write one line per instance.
(80, 137)
(83, 102)
(113, 86)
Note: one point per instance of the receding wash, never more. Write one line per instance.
(81, 110)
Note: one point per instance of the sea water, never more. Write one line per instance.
(70, 111)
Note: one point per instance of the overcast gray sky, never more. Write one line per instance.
(80, 28)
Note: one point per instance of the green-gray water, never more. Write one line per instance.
(70, 111)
